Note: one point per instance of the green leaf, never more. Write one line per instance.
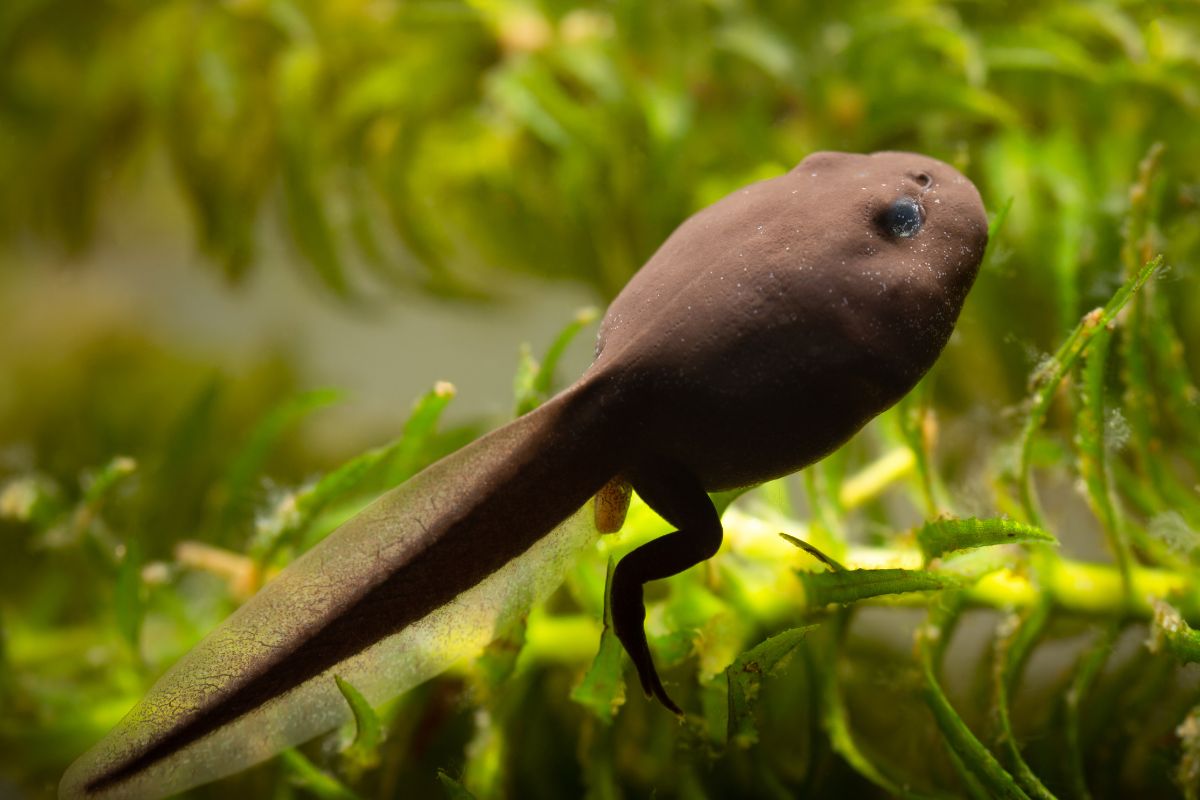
(534, 381)
(180, 467)
(948, 535)
(454, 789)
(407, 455)
(7, 672)
(299, 75)
(812, 550)
(916, 419)
(932, 639)
(544, 383)
(100, 485)
(1084, 676)
(498, 661)
(524, 381)
(238, 483)
(1092, 449)
(601, 777)
(975, 756)
(130, 607)
(486, 770)
(602, 690)
(835, 719)
(760, 44)
(724, 499)
(744, 677)
(516, 91)
(849, 586)
(996, 224)
(401, 457)
(303, 773)
(367, 732)
(1048, 377)
(821, 488)
(1014, 644)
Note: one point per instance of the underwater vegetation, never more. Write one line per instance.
(989, 592)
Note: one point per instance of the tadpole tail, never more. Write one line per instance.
(427, 574)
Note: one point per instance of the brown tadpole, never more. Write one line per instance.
(763, 333)
(768, 329)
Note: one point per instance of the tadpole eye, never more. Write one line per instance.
(903, 218)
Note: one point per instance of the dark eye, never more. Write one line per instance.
(902, 218)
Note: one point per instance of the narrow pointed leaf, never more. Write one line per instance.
(321, 784)
(238, 483)
(454, 789)
(130, 606)
(932, 639)
(948, 535)
(367, 734)
(1012, 650)
(602, 690)
(848, 586)
(744, 677)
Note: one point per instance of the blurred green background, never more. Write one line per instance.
(210, 210)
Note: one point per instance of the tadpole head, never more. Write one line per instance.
(911, 216)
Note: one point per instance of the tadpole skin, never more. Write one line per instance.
(766, 330)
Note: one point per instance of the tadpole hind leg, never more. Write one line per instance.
(679, 498)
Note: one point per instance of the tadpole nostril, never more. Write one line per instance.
(923, 179)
